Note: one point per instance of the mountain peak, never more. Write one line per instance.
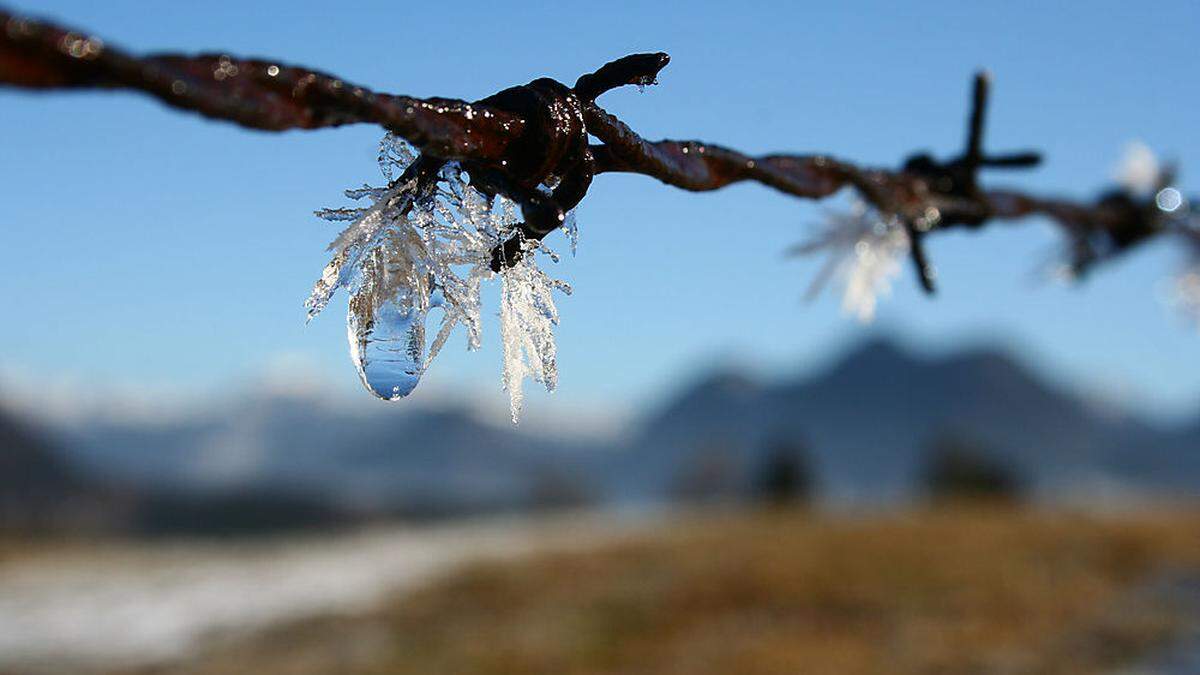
(716, 389)
(878, 349)
(866, 361)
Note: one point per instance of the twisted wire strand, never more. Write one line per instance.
(537, 134)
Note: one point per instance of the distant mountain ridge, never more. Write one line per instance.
(866, 423)
(868, 420)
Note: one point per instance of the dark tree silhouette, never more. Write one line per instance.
(959, 468)
(784, 478)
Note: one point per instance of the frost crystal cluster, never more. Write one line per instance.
(1183, 292)
(411, 250)
(866, 249)
(1138, 170)
(527, 319)
(1143, 175)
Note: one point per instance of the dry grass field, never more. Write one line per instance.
(951, 590)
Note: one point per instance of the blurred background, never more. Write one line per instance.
(1000, 478)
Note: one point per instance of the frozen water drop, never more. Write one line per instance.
(388, 348)
(423, 245)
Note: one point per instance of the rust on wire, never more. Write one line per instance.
(536, 134)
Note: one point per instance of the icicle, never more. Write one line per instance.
(571, 229)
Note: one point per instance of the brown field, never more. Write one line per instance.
(964, 590)
(16, 546)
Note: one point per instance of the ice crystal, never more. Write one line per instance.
(865, 251)
(414, 248)
(571, 228)
(528, 316)
(1139, 170)
(1184, 293)
(411, 250)
(1141, 173)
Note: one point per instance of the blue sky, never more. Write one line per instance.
(146, 247)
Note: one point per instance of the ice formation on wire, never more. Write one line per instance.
(413, 248)
(866, 249)
(1138, 170)
(527, 320)
(571, 228)
(1142, 174)
(1184, 290)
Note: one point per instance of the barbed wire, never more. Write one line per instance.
(522, 138)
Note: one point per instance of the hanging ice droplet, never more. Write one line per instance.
(388, 347)
(424, 245)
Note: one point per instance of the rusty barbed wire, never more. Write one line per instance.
(515, 141)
